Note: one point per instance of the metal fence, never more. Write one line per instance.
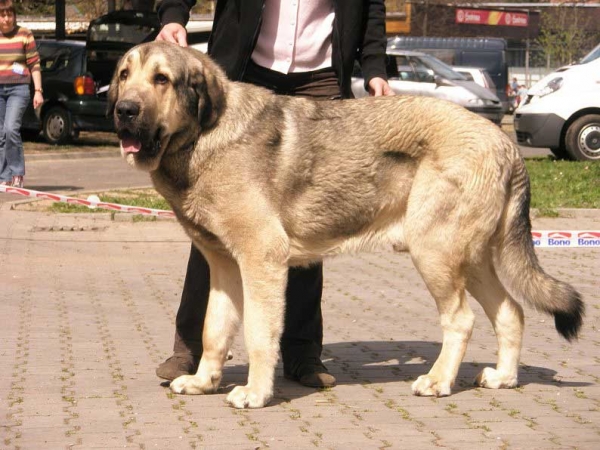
(529, 64)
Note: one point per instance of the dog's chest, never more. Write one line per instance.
(194, 219)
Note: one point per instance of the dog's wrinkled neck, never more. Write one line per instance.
(175, 167)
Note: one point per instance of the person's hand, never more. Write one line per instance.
(173, 32)
(38, 99)
(379, 86)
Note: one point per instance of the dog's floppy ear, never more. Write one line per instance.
(208, 81)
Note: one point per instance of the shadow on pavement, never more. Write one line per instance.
(379, 362)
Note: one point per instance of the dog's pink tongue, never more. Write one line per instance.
(131, 145)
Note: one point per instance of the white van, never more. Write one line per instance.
(562, 111)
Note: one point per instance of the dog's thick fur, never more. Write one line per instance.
(261, 182)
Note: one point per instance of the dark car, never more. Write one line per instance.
(76, 74)
(71, 103)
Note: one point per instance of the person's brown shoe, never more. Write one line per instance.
(310, 372)
(178, 365)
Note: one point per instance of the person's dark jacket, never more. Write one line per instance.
(358, 34)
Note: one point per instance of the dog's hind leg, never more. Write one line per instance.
(446, 285)
(506, 316)
(220, 326)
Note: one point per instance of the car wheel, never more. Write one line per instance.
(57, 126)
(583, 138)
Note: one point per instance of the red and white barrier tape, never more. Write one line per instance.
(546, 238)
(90, 203)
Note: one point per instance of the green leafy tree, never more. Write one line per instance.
(565, 35)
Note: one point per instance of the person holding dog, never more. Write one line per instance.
(301, 48)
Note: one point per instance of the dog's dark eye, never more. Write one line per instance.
(159, 78)
(123, 75)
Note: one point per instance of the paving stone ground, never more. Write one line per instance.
(87, 310)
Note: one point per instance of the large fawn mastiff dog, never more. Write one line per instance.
(262, 182)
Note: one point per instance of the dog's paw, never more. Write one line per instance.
(244, 397)
(192, 385)
(429, 386)
(494, 379)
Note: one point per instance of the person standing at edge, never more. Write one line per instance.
(19, 64)
(293, 47)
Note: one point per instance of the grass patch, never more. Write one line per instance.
(554, 184)
(144, 198)
(563, 184)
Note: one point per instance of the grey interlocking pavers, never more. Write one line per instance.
(87, 307)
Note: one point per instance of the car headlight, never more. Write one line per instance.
(552, 86)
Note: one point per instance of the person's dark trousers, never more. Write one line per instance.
(192, 309)
(303, 330)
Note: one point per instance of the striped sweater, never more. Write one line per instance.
(18, 56)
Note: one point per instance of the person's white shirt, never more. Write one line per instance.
(295, 35)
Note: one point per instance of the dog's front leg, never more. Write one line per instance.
(220, 326)
(264, 303)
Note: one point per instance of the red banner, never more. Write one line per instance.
(490, 17)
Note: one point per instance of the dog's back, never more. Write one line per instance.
(434, 166)
(345, 174)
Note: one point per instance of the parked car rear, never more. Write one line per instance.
(71, 102)
(76, 74)
(417, 73)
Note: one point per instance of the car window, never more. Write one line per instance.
(488, 80)
(54, 58)
(407, 74)
(445, 55)
(405, 70)
(467, 75)
(398, 68)
(119, 32)
(442, 69)
(591, 56)
(423, 73)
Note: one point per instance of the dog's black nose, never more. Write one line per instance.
(127, 110)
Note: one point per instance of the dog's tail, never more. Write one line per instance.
(518, 267)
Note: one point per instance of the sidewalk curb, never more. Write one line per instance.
(568, 213)
(563, 213)
(73, 155)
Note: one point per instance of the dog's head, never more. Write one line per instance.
(162, 97)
